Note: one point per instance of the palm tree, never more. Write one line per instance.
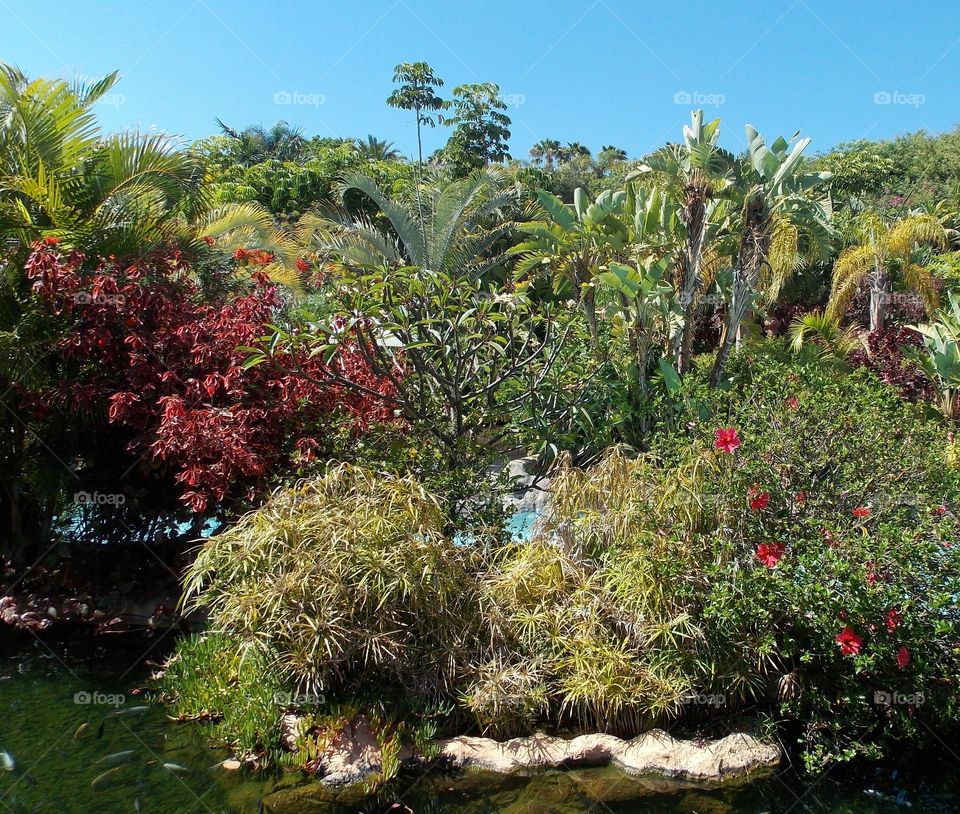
(547, 150)
(120, 195)
(778, 225)
(374, 149)
(887, 255)
(455, 228)
(691, 176)
(826, 334)
(575, 149)
(254, 145)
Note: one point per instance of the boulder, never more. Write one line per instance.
(654, 752)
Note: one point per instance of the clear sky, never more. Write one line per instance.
(620, 72)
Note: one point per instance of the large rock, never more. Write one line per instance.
(655, 752)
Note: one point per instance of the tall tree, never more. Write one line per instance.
(481, 128)
(773, 208)
(418, 92)
(691, 175)
(547, 150)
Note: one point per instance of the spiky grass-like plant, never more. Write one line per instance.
(352, 582)
(592, 623)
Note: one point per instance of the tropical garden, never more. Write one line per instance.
(283, 376)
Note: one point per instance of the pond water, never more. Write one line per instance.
(78, 739)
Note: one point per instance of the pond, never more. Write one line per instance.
(75, 737)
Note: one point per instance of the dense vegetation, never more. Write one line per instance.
(741, 370)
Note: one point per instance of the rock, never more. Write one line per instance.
(353, 755)
(231, 765)
(289, 731)
(655, 752)
(531, 493)
(735, 755)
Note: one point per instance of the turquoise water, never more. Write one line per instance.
(81, 741)
(521, 525)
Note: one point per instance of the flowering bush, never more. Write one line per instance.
(140, 342)
(840, 581)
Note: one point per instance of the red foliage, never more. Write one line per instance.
(165, 364)
(886, 359)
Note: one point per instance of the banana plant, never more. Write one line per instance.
(644, 315)
(691, 177)
(569, 244)
(940, 357)
(779, 224)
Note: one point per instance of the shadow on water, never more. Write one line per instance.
(74, 737)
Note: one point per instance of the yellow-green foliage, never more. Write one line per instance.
(351, 579)
(588, 621)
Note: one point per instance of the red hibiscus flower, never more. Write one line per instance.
(861, 511)
(302, 265)
(903, 657)
(850, 643)
(726, 439)
(770, 553)
(208, 240)
(800, 497)
(240, 254)
(792, 403)
(940, 511)
(893, 619)
(757, 498)
(51, 241)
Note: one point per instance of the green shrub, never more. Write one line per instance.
(232, 688)
(801, 561)
(859, 529)
(350, 580)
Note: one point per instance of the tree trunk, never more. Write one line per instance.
(590, 313)
(878, 299)
(695, 219)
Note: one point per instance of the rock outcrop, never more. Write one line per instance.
(354, 754)
(655, 752)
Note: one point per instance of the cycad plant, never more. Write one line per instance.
(455, 228)
(888, 256)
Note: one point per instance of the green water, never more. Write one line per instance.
(62, 742)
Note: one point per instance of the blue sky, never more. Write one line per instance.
(617, 72)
